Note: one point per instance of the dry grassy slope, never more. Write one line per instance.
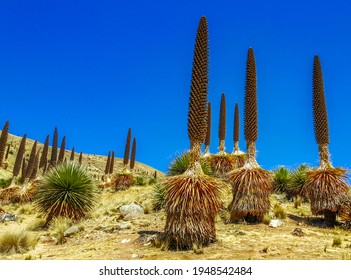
(95, 163)
(100, 238)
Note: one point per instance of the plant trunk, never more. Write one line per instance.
(251, 155)
(330, 218)
(324, 156)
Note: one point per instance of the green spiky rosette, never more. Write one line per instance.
(326, 189)
(251, 188)
(192, 202)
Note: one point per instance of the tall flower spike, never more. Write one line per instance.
(127, 147)
(250, 110)
(236, 135)
(3, 141)
(320, 116)
(222, 124)
(197, 114)
(44, 154)
(208, 130)
(19, 156)
(112, 162)
(250, 116)
(62, 150)
(54, 148)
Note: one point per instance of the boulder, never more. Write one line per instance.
(131, 211)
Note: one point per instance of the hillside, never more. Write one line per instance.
(95, 163)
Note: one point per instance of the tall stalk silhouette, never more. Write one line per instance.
(61, 156)
(238, 155)
(133, 154)
(53, 159)
(44, 155)
(208, 130)
(221, 163)
(19, 158)
(3, 141)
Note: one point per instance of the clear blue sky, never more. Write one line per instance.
(96, 68)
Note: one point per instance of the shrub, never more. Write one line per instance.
(67, 190)
(281, 180)
(16, 241)
(298, 180)
(337, 241)
(158, 197)
(5, 182)
(181, 163)
(123, 181)
(279, 211)
(266, 219)
(58, 226)
(140, 181)
(297, 201)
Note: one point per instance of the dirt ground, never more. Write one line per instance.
(99, 237)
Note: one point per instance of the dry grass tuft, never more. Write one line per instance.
(266, 219)
(337, 241)
(279, 211)
(326, 189)
(16, 241)
(239, 160)
(58, 226)
(16, 193)
(123, 181)
(251, 188)
(10, 194)
(221, 164)
(192, 202)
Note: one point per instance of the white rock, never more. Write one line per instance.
(131, 211)
(275, 223)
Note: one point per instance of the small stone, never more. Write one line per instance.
(125, 241)
(124, 225)
(275, 223)
(71, 230)
(7, 217)
(134, 256)
(239, 232)
(298, 232)
(142, 223)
